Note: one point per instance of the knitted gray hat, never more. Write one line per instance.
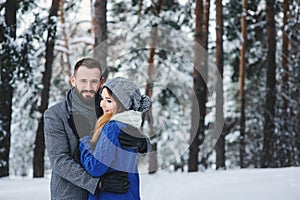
(128, 94)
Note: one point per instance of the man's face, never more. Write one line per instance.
(86, 82)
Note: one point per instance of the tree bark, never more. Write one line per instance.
(39, 149)
(100, 21)
(7, 66)
(100, 29)
(288, 148)
(220, 145)
(287, 154)
(199, 87)
(205, 30)
(140, 10)
(294, 57)
(67, 61)
(242, 84)
(153, 164)
(269, 112)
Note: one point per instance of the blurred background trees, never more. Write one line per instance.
(253, 43)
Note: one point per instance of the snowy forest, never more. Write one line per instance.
(223, 77)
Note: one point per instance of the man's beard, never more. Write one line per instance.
(86, 99)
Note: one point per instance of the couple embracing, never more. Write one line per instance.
(93, 137)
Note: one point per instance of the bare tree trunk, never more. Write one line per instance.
(269, 113)
(100, 29)
(153, 164)
(140, 10)
(220, 146)
(206, 8)
(92, 9)
(100, 21)
(287, 149)
(294, 79)
(198, 127)
(285, 41)
(205, 32)
(66, 55)
(39, 149)
(285, 113)
(242, 84)
(7, 66)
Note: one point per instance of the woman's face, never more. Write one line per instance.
(108, 104)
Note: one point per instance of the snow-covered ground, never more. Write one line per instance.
(245, 184)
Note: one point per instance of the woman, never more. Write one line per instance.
(101, 153)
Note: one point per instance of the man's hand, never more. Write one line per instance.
(133, 139)
(116, 182)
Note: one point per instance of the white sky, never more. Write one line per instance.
(246, 184)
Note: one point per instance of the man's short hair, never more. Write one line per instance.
(89, 63)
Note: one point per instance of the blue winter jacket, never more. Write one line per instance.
(108, 156)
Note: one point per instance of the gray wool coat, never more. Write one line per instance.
(69, 180)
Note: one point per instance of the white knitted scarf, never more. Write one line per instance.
(130, 117)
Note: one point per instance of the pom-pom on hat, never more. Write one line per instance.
(128, 94)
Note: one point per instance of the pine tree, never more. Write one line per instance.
(13, 68)
(39, 149)
(8, 65)
(270, 102)
(242, 83)
(220, 146)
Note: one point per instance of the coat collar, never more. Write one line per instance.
(99, 111)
